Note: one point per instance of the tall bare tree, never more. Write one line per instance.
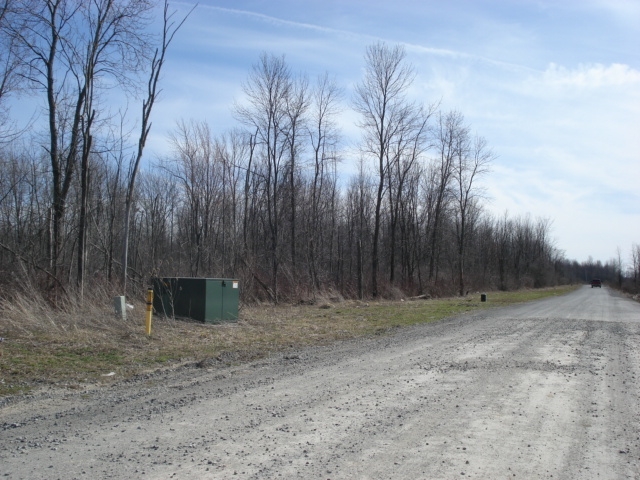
(381, 100)
(447, 143)
(10, 63)
(232, 152)
(170, 27)
(359, 197)
(112, 46)
(324, 139)
(297, 104)
(407, 146)
(268, 90)
(473, 159)
(69, 48)
(194, 165)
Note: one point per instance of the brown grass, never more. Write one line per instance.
(82, 342)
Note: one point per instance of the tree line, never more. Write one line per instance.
(263, 202)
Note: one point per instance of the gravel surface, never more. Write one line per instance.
(541, 390)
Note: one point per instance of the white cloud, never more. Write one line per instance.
(282, 22)
(590, 76)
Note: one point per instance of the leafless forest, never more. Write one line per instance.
(82, 206)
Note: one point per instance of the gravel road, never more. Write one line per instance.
(541, 390)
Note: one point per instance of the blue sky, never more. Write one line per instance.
(554, 87)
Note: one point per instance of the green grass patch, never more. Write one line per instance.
(56, 361)
(74, 353)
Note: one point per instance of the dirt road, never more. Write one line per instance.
(542, 390)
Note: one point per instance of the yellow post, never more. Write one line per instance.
(149, 309)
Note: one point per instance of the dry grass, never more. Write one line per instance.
(84, 342)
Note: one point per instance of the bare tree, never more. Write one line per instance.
(473, 159)
(249, 182)
(381, 101)
(115, 158)
(44, 29)
(157, 203)
(618, 266)
(447, 141)
(358, 215)
(324, 138)
(635, 264)
(407, 147)
(200, 178)
(410, 220)
(112, 45)
(297, 104)
(9, 62)
(268, 91)
(169, 28)
(208, 172)
(68, 48)
(232, 153)
(502, 242)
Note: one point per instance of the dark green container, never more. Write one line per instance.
(209, 300)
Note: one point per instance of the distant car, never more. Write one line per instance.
(596, 283)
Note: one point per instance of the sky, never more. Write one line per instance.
(553, 86)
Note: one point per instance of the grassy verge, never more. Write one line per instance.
(91, 346)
